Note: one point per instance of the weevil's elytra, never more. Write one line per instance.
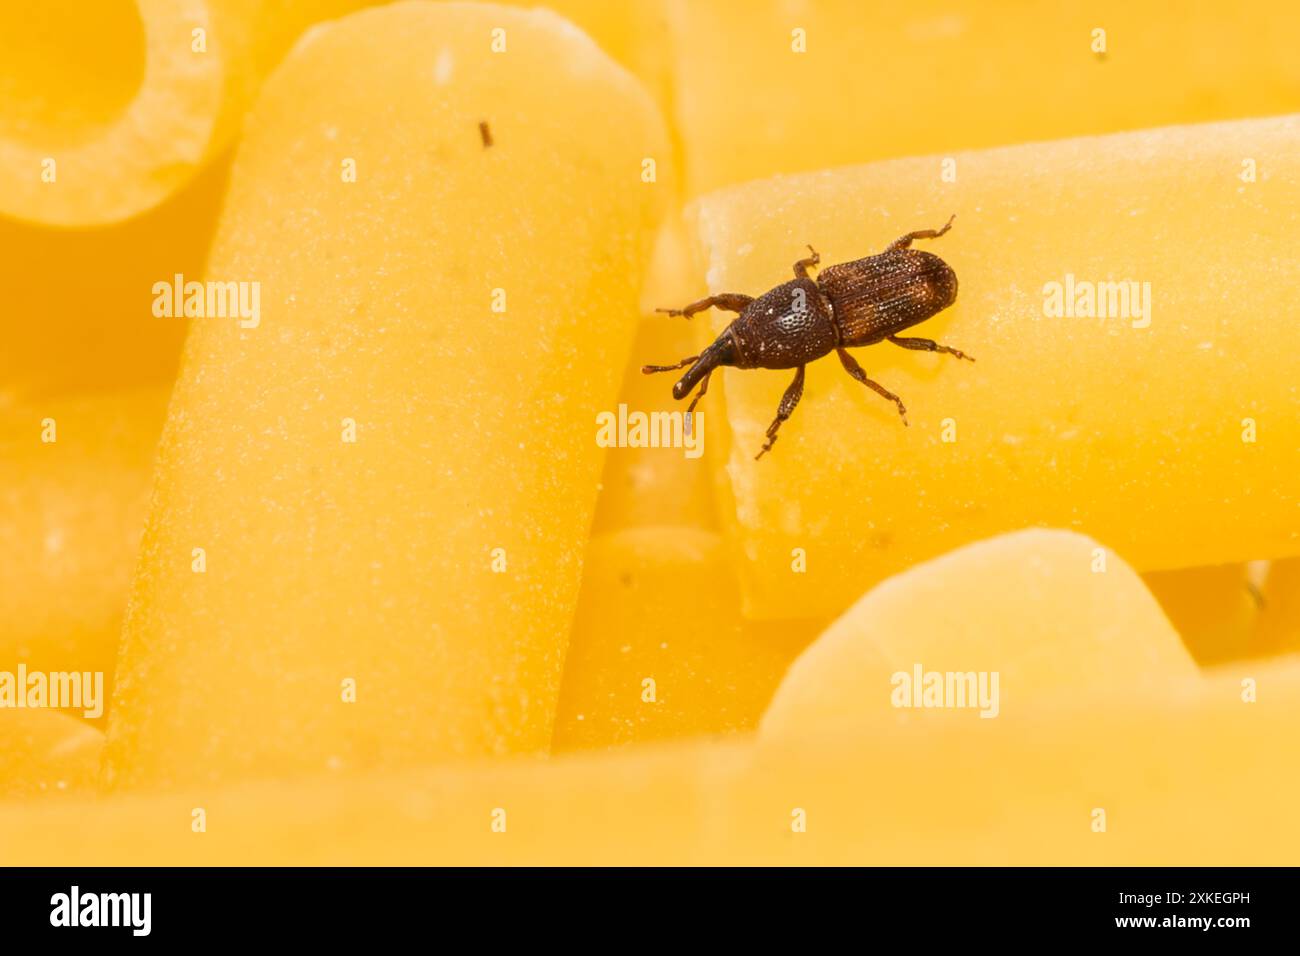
(848, 305)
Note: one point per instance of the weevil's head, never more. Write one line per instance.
(722, 351)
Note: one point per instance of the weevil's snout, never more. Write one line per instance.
(682, 388)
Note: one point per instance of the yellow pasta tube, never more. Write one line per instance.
(1005, 625)
(111, 107)
(770, 86)
(1142, 784)
(1121, 296)
(374, 490)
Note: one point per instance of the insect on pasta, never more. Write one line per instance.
(847, 306)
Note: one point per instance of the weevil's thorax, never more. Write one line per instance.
(881, 295)
(785, 327)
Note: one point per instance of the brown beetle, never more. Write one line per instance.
(848, 305)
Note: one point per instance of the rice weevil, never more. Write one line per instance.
(848, 305)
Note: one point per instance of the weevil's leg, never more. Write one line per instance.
(803, 265)
(929, 345)
(853, 368)
(906, 240)
(651, 369)
(730, 301)
(788, 401)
